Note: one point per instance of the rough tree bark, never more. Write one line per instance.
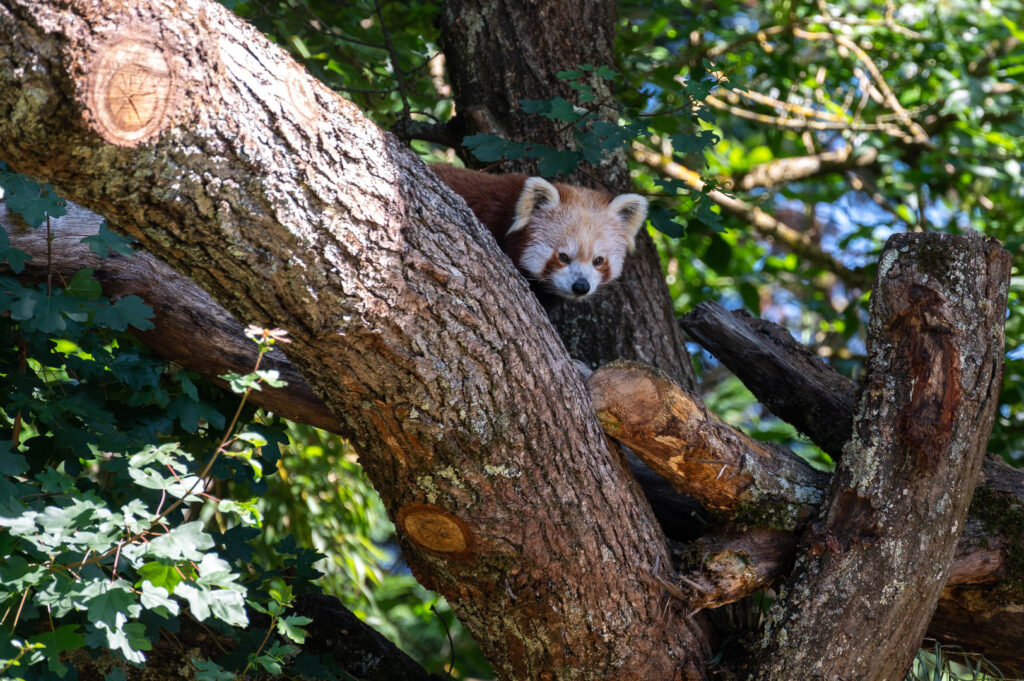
(980, 607)
(500, 52)
(870, 572)
(251, 189)
(981, 604)
(187, 129)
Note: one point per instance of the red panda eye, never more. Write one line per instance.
(564, 258)
(598, 261)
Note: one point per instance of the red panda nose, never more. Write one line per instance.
(581, 287)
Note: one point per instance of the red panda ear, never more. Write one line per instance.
(632, 210)
(537, 192)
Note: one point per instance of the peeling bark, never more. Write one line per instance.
(871, 572)
(674, 433)
(286, 205)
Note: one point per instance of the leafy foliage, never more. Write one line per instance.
(98, 440)
(905, 117)
(106, 514)
(322, 500)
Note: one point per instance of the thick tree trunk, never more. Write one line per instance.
(500, 52)
(982, 605)
(871, 571)
(980, 609)
(187, 129)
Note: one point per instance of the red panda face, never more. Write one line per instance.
(576, 239)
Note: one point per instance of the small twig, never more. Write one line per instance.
(17, 615)
(49, 257)
(918, 133)
(399, 74)
(451, 643)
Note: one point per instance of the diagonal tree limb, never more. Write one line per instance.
(292, 210)
(770, 228)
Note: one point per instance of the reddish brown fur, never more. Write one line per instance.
(491, 197)
(552, 265)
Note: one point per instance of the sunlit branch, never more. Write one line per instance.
(918, 133)
(792, 169)
(767, 226)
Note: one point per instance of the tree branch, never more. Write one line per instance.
(899, 497)
(770, 228)
(794, 169)
(292, 210)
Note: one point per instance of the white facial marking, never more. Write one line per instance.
(581, 225)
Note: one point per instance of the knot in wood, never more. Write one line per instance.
(435, 529)
(131, 84)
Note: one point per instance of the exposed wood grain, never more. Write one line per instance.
(673, 432)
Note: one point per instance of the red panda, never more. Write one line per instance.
(566, 240)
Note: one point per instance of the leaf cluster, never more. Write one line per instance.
(129, 489)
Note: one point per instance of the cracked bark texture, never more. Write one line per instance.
(500, 52)
(192, 133)
(871, 571)
(980, 608)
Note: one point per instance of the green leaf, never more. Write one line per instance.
(224, 604)
(18, 574)
(751, 299)
(158, 598)
(210, 671)
(41, 312)
(292, 627)
(554, 161)
(718, 254)
(188, 388)
(160, 575)
(128, 311)
(60, 640)
(665, 221)
(708, 216)
(493, 148)
(130, 640)
(104, 242)
(113, 603)
(11, 462)
(30, 199)
(694, 144)
(187, 541)
(563, 110)
(82, 285)
(15, 258)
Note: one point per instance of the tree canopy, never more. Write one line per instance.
(781, 144)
